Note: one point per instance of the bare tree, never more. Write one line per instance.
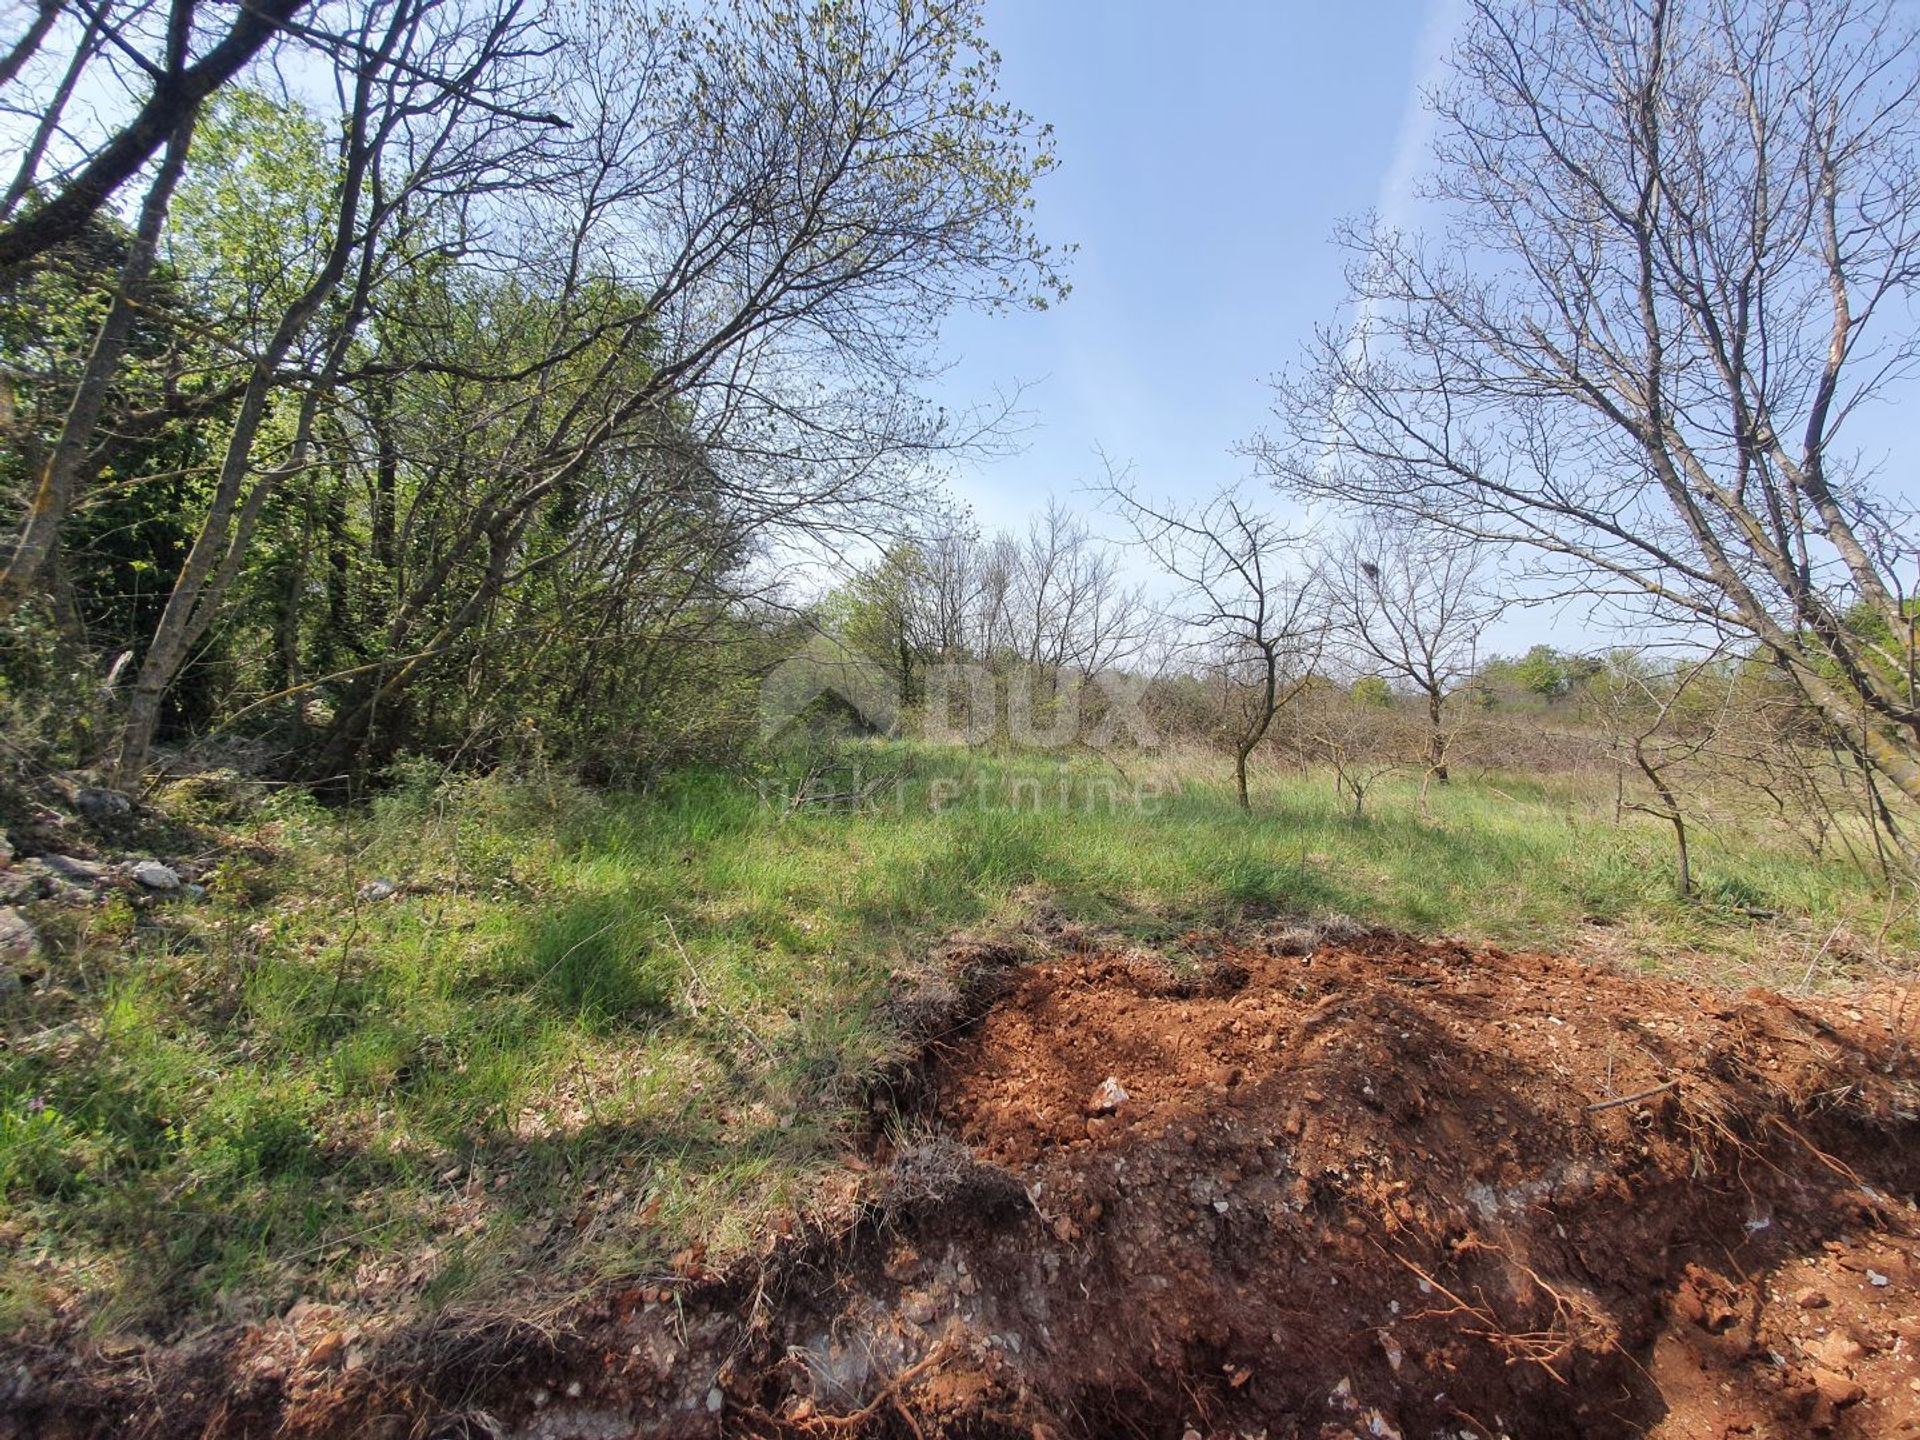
(1416, 603)
(1071, 611)
(74, 157)
(568, 254)
(58, 468)
(1684, 244)
(71, 166)
(1664, 718)
(1362, 738)
(1246, 604)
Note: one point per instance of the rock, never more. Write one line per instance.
(1108, 1098)
(79, 872)
(1877, 1280)
(1836, 1389)
(1812, 1299)
(19, 941)
(1835, 1351)
(378, 890)
(155, 876)
(194, 892)
(715, 1400)
(18, 885)
(1395, 1355)
(102, 807)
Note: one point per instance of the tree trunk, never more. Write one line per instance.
(53, 495)
(1683, 876)
(1684, 867)
(1436, 737)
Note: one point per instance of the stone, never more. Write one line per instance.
(19, 941)
(73, 869)
(1812, 1299)
(1836, 1389)
(155, 876)
(102, 807)
(1108, 1098)
(378, 890)
(1396, 1357)
(1835, 1351)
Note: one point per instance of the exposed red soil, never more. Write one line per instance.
(1373, 1187)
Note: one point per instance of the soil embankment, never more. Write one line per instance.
(1367, 1187)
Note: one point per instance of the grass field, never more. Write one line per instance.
(591, 1032)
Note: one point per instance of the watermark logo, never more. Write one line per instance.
(828, 684)
(1032, 707)
(851, 787)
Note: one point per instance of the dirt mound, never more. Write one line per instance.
(1371, 1187)
(1390, 1188)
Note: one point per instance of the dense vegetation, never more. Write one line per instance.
(518, 356)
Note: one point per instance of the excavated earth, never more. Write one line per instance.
(1270, 1184)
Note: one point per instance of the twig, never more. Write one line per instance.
(700, 980)
(1630, 1099)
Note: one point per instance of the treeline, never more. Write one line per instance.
(427, 375)
(1362, 658)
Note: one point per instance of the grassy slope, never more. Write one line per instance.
(594, 1031)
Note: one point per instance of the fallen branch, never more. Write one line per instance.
(1630, 1099)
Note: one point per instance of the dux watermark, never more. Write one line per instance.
(1031, 707)
(827, 687)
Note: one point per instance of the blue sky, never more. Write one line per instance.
(1206, 152)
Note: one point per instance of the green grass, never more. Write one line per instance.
(595, 1029)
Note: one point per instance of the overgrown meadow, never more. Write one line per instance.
(593, 1036)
